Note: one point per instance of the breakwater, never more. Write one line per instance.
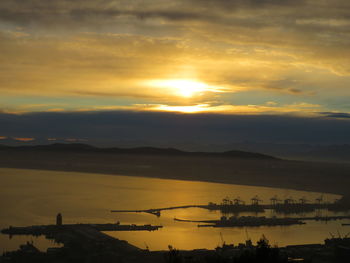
(287, 206)
(86, 235)
(253, 221)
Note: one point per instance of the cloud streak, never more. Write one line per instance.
(258, 50)
(171, 128)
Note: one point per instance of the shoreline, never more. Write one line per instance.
(248, 180)
(175, 179)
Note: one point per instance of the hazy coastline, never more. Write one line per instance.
(298, 175)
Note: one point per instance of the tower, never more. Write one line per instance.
(59, 219)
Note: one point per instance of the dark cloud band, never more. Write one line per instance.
(171, 128)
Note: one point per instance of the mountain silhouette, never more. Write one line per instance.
(80, 147)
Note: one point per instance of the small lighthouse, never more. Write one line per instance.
(59, 219)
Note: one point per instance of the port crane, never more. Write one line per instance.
(255, 200)
(226, 201)
(274, 200)
(222, 240)
(238, 201)
(303, 200)
(289, 201)
(319, 200)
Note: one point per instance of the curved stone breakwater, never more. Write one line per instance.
(243, 221)
(253, 221)
(288, 206)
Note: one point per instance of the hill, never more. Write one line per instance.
(230, 167)
(79, 147)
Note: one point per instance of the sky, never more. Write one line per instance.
(252, 58)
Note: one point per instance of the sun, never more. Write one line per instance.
(183, 109)
(185, 88)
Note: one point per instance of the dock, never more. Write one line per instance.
(244, 221)
(253, 221)
(236, 206)
(157, 211)
(47, 229)
(88, 235)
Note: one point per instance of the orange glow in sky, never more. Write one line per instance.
(24, 139)
(186, 88)
(183, 109)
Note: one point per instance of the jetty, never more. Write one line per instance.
(157, 211)
(236, 206)
(253, 221)
(244, 221)
(285, 206)
(87, 234)
(47, 229)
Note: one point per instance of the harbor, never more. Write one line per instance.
(126, 193)
(50, 229)
(245, 221)
(254, 221)
(236, 206)
(89, 242)
(86, 235)
(333, 249)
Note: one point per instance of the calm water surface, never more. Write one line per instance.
(29, 197)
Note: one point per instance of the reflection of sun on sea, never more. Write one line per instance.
(184, 87)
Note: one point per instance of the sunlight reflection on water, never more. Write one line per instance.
(31, 197)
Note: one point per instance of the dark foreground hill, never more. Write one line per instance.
(229, 167)
(85, 148)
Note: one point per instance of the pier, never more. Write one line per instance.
(157, 211)
(244, 221)
(235, 206)
(49, 229)
(87, 235)
(253, 221)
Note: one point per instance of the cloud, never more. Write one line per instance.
(23, 139)
(291, 50)
(168, 128)
(78, 13)
(85, 14)
(338, 115)
(297, 109)
(87, 64)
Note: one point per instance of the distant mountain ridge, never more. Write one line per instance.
(80, 147)
(307, 152)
